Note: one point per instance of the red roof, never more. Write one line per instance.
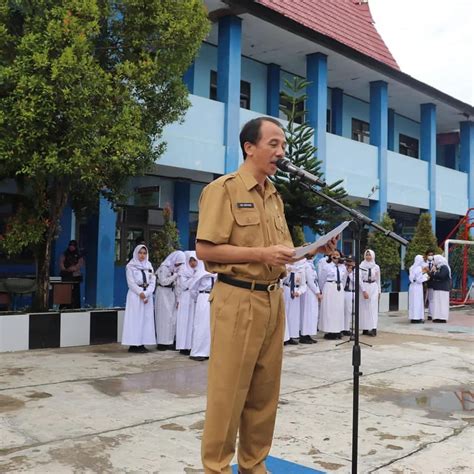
(347, 21)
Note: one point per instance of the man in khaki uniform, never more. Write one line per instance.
(243, 237)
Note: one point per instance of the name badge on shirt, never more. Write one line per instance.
(245, 205)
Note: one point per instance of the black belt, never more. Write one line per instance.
(350, 291)
(204, 291)
(166, 286)
(247, 284)
(369, 281)
(287, 284)
(144, 286)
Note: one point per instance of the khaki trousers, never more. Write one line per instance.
(247, 330)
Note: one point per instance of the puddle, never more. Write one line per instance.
(441, 401)
(184, 381)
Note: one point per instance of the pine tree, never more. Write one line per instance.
(387, 251)
(302, 207)
(166, 240)
(423, 240)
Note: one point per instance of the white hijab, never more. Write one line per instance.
(187, 271)
(440, 261)
(173, 259)
(138, 264)
(419, 261)
(365, 264)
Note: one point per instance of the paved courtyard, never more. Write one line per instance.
(99, 409)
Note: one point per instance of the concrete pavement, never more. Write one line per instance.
(99, 409)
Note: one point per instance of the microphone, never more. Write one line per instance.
(286, 165)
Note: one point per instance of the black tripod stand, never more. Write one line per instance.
(359, 220)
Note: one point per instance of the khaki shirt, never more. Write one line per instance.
(233, 211)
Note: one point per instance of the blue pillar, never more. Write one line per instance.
(391, 130)
(428, 153)
(188, 79)
(317, 74)
(378, 137)
(228, 85)
(337, 111)
(181, 211)
(100, 257)
(466, 159)
(61, 243)
(273, 90)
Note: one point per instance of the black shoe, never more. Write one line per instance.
(373, 332)
(185, 352)
(331, 335)
(198, 358)
(338, 335)
(430, 318)
(365, 332)
(142, 350)
(163, 347)
(286, 343)
(306, 340)
(346, 333)
(293, 342)
(134, 349)
(439, 320)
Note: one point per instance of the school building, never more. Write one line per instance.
(399, 144)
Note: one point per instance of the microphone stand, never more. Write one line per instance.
(357, 224)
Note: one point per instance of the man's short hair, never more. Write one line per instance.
(251, 131)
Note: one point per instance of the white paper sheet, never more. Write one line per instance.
(302, 251)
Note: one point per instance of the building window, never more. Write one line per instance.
(328, 121)
(245, 91)
(408, 146)
(360, 131)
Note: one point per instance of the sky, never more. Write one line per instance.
(432, 40)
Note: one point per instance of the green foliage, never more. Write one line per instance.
(86, 88)
(423, 240)
(387, 251)
(165, 241)
(302, 207)
(297, 234)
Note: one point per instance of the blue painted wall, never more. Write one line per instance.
(406, 127)
(353, 108)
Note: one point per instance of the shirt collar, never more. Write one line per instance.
(250, 182)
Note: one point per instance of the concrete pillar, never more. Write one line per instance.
(428, 153)
(379, 138)
(228, 85)
(181, 211)
(317, 104)
(273, 90)
(337, 111)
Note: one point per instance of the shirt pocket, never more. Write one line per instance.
(247, 230)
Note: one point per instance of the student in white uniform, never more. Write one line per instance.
(294, 287)
(331, 315)
(185, 311)
(139, 324)
(321, 270)
(371, 290)
(165, 300)
(441, 277)
(428, 287)
(417, 276)
(310, 304)
(349, 295)
(200, 293)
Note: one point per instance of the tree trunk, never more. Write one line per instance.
(43, 263)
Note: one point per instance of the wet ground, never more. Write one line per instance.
(99, 409)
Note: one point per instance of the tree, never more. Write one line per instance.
(423, 240)
(387, 251)
(86, 89)
(302, 207)
(166, 240)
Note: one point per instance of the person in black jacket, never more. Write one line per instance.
(441, 284)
